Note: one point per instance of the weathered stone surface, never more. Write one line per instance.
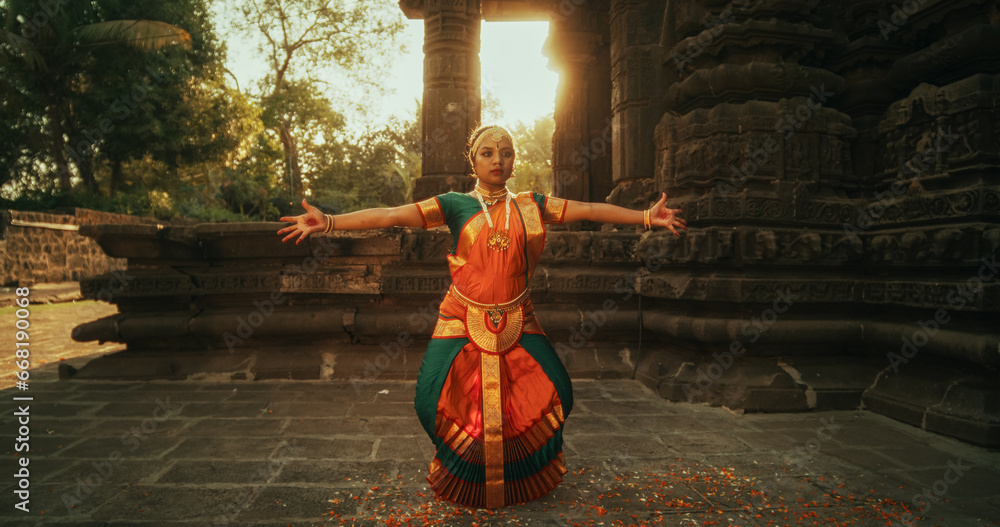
(837, 171)
(34, 249)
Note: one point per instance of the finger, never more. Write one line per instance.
(673, 230)
(287, 229)
(682, 221)
(289, 237)
(291, 219)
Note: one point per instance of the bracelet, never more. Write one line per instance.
(329, 223)
(645, 220)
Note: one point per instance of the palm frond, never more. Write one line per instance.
(23, 48)
(145, 35)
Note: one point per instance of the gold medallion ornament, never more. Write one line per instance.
(494, 327)
(499, 336)
(497, 239)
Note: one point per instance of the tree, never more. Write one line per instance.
(46, 52)
(307, 41)
(533, 170)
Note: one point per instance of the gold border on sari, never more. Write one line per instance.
(492, 429)
(449, 328)
(535, 241)
(555, 210)
(431, 212)
(470, 232)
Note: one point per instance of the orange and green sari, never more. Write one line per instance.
(492, 393)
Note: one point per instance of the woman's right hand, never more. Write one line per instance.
(305, 224)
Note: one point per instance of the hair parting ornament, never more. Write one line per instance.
(493, 133)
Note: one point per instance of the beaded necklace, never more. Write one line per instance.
(497, 240)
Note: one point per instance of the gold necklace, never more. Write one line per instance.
(497, 239)
(491, 197)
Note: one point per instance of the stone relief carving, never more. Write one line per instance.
(765, 246)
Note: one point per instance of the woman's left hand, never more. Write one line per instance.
(661, 216)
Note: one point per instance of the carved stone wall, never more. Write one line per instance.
(231, 302)
(843, 157)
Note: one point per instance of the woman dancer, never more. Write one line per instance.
(491, 392)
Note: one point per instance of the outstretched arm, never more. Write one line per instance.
(659, 214)
(315, 221)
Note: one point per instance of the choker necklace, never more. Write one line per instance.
(497, 240)
(490, 197)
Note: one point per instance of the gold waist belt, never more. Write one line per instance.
(492, 308)
(507, 321)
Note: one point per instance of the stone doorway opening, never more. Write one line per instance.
(518, 89)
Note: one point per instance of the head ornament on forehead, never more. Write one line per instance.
(488, 133)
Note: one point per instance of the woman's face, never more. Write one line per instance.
(494, 162)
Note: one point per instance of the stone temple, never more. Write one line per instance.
(838, 162)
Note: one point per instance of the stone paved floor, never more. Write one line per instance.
(312, 453)
(320, 453)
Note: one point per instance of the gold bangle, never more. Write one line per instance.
(329, 223)
(645, 219)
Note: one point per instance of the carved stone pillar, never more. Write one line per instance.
(636, 101)
(578, 47)
(451, 105)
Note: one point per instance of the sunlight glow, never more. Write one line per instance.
(514, 72)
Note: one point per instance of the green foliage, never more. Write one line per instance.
(533, 166)
(306, 42)
(49, 59)
(99, 109)
(361, 173)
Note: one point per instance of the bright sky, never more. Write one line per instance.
(513, 69)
